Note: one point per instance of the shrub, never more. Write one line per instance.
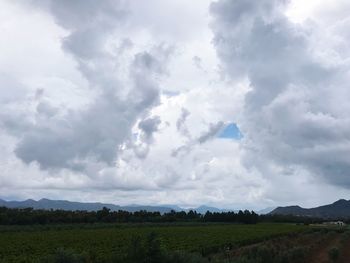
(65, 256)
(333, 254)
(345, 236)
(183, 257)
(136, 250)
(153, 249)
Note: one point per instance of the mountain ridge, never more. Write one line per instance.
(48, 204)
(335, 210)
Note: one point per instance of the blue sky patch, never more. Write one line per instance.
(231, 131)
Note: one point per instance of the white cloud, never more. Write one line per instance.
(96, 98)
(294, 120)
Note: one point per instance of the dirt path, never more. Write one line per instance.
(320, 254)
(345, 253)
(317, 245)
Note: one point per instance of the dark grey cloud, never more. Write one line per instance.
(145, 137)
(291, 119)
(181, 123)
(95, 133)
(197, 61)
(46, 110)
(125, 44)
(149, 126)
(145, 61)
(210, 133)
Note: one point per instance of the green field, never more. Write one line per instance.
(30, 244)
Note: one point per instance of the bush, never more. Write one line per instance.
(65, 256)
(333, 254)
(154, 250)
(136, 251)
(183, 257)
(151, 251)
(345, 236)
(261, 253)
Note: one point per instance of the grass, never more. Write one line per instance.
(27, 244)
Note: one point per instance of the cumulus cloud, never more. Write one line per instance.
(95, 132)
(149, 126)
(181, 123)
(145, 136)
(291, 118)
(120, 101)
(212, 130)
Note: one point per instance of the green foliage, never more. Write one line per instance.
(185, 257)
(148, 251)
(154, 253)
(279, 251)
(65, 256)
(151, 251)
(29, 216)
(333, 254)
(103, 242)
(345, 236)
(136, 251)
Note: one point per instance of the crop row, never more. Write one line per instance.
(28, 246)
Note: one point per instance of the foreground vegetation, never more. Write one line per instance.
(57, 236)
(112, 242)
(30, 216)
(313, 246)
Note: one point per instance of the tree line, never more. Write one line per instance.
(30, 216)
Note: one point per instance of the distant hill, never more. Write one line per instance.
(203, 209)
(67, 205)
(339, 209)
(265, 210)
(48, 204)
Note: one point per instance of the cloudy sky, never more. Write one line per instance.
(229, 103)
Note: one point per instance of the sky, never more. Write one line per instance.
(228, 103)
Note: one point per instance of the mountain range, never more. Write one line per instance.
(68, 205)
(336, 210)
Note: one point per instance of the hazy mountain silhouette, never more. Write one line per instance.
(265, 210)
(48, 204)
